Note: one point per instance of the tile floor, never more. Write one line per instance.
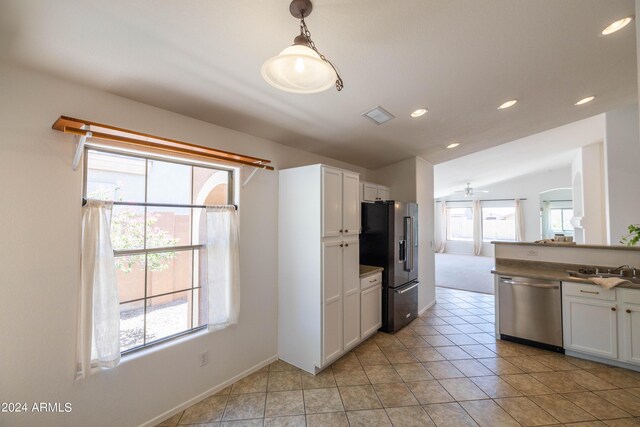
(444, 369)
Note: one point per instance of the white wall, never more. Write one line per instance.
(526, 187)
(622, 165)
(589, 198)
(411, 180)
(40, 216)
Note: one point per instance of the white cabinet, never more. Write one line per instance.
(370, 304)
(590, 326)
(340, 205)
(630, 325)
(370, 192)
(318, 265)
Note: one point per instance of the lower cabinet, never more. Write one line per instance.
(371, 304)
(601, 322)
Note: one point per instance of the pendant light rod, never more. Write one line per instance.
(304, 32)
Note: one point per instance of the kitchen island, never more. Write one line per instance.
(546, 291)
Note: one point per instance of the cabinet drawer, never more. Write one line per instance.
(588, 291)
(369, 281)
(631, 296)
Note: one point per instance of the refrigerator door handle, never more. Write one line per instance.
(408, 235)
(402, 251)
(413, 244)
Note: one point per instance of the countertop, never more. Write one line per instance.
(572, 246)
(368, 270)
(545, 271)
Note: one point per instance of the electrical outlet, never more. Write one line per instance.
(532, 252)
(204, 358)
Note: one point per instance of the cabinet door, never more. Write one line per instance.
(331, 300)
(590, 326)
(351, 292)
(631, 333)
(371, 310)
(350, 204)
(383, 193)
(331, 202)
(369, 192)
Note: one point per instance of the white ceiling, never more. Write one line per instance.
(547, 150)
(459, 58)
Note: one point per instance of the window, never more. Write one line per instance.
(498, 223)
(560, 220)
(158, 238)
(459, 223)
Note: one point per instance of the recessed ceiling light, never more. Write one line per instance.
(453, 145)
(419, 112)
(585, 100)
(508, 104)
(618, 25)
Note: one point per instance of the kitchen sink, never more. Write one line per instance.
(589, 275)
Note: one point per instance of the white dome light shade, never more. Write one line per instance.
(299, 69)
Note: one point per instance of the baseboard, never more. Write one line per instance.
(604, 360)
(427, 307)
(181, 407)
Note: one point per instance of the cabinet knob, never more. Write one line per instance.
(613, 309)
(346, 231)
(341, 245)
(346, 245)
(341, 231)
(628, 311)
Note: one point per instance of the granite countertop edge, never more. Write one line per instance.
(550, 275)
(368, 270)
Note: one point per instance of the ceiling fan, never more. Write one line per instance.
(469, 191)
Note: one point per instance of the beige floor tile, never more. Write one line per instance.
(487, 413)
(500, 366)
(399, 356)
(280, 365)
(622, 399)
(324, 379)
(557, 362)
(256, 422)
(354, 376)
(471, 368)
(414, 341)
(171, 422)
(589, 381)
(478, 351)
(347, 362)
(245, 406)
(587, 424)
(359, 397)
(290, 421)
(368, 418)
(370, 358)
(617, 376)
(449, 415)
(379, 374)
(494, 386)
(254, 383)
(426, 330)
(331, 419)
(526, 384)
(412, 372)
(462, 389)
(443, 369)
(438, 340)
(322, 400)
(528, 364)
(284, 380)
(409, 416)
(623, 422)
(635, 391)
(426, 354)
(461, 339)
(562, 409)
(281, 403)
(395, 394)
(209, 410)
(453, 353)
(559, 382)
(430, 391)
(525, 411)
(596, 405)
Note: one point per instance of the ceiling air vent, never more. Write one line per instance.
(378, 115)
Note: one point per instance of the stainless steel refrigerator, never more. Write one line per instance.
(389, 239)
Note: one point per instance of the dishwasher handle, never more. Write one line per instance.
(533, 285)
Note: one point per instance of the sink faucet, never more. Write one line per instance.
(620, 270)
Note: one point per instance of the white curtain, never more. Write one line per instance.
(441, 246)
(519, 218)
(98, 309)
(477, 227)
(547, 233)
(223, 270)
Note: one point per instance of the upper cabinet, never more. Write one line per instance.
(370, 192)
(340, 205)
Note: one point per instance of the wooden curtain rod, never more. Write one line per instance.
(112, 133)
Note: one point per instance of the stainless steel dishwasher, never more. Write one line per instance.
(530, 312)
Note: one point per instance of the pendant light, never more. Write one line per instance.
(301, 68)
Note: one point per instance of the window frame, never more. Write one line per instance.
(232, 197)
(448, 222)
(562, 214)
(483, 206)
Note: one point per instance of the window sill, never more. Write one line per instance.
(143, 352)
